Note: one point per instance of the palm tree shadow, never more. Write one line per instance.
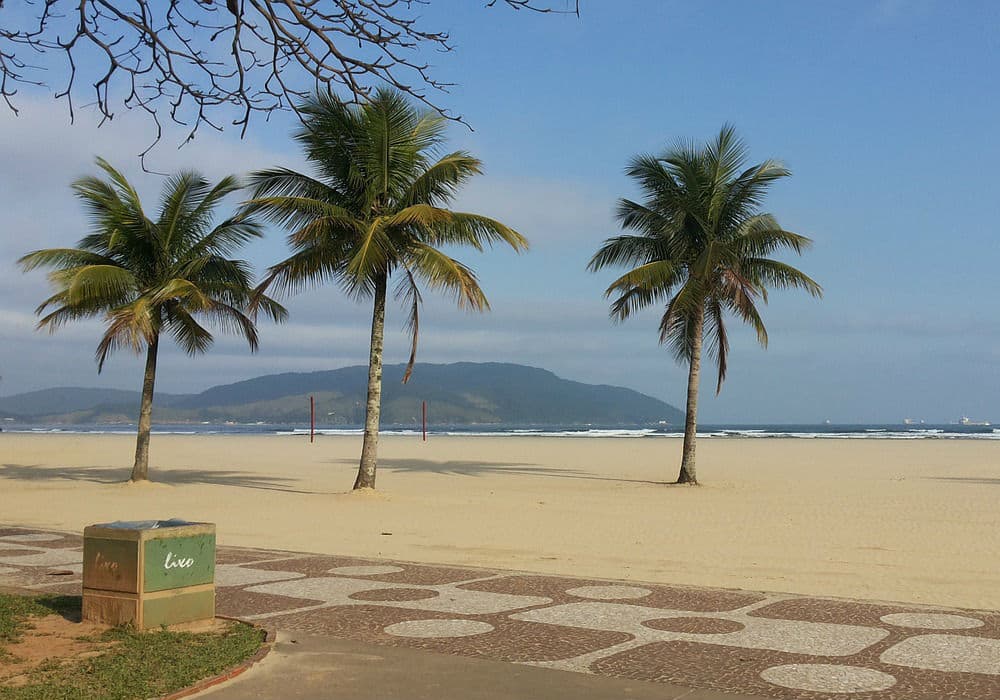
(247, 480)
(119, 475)
(481, 468)
(465, 467)
(966, 480)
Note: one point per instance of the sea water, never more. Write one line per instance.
(723, 431)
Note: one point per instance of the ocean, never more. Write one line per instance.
(951, 431)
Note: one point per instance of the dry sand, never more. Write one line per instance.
(913, 521)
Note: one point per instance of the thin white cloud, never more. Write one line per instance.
(544, 211)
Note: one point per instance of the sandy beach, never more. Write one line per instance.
(911, 521)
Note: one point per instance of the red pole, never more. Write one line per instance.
(312, 419)
(423, 405)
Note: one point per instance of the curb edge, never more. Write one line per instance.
(230, 673)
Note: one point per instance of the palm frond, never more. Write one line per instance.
(62, 315)
(656, 180)
(125, 192)
(718, 345)
(297, 212)
(761, 235)
(423, 218)
(328, 127)
(408, 290)
(226, 238)
(394, 145)
(200, 218)
(446, 274)
(62, 258)
(628, 250)
(217, 275)
(648, 220)
(305, 269)
(373, 257)
(677, 325)
(184, 293)
(461, 228)
(131, 326)
(744, 307)
(632, 300)
(643, 286)
(232, 320)
(271, 308)
(284, 182)
(96, 285)
(181, 194)
(139, 274)
(191, 336)
(439, 183)
(724, 156)
(765, 272)
(746, 193)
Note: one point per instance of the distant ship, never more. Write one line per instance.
(965, 420)
(912, 421)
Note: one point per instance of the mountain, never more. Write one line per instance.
(74, 400)
(460, 393)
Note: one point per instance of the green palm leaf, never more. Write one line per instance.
(700, 242)
(144, 277)
(408, 290)
(773, 273)
(443, 273)
(375, 206)
(439, 183)
(191, 336)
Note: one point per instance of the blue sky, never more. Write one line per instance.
(885, 112)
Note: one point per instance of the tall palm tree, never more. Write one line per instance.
(701, 246)
(147, 277)
(376, 206)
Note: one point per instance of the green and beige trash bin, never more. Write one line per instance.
(149, 573)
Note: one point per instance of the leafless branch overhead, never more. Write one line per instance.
(217, 61)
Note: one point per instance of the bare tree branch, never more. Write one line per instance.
(205, 62)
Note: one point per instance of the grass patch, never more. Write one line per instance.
(16, 612)
(138, 665)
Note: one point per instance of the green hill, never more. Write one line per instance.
(460, 393)
(75, 400)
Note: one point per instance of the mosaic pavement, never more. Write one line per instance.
(773, 645)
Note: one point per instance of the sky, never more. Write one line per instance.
(886, 112)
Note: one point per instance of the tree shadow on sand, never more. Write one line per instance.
(172, 477)
(480, 468)
(966, 479)
(247, 480)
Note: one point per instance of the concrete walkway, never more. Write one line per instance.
(371, 627)
(309, 667)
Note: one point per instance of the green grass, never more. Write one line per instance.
(138, 665)
(16, 612)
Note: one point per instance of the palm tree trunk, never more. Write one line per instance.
(140, 470)
(688, 474)
(373, 410)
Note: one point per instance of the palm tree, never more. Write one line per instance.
(377, 206)
(146, 277)
(701, 246)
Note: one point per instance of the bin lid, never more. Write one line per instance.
(146, 524)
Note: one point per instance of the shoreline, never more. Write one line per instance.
(897, 520)
(717, 433)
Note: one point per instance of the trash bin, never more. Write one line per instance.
(149, 573)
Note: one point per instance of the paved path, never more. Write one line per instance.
(308, 667)
(771, 645)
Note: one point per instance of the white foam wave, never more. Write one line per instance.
(798, 433)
